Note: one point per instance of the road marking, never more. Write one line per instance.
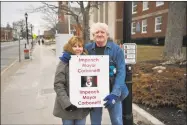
(2, 72)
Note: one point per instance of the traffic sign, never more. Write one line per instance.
(34, 36)
(130, 53)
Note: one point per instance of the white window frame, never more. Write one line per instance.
(158, 23)
(144, 25)
(159, 3)
(133, 6)
(145, 5)
(133, 28)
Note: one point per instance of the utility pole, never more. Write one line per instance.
(127, 102)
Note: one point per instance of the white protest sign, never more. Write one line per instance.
(88, 80)
(130, 53)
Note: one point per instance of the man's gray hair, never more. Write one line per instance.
(98, 25)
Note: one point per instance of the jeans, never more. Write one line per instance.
(115, 115)
(74, 122)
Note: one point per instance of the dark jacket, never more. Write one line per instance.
(62, 101)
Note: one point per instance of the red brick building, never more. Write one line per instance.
(6, 34)
(48, 34)
(62, 25)
(149, 20)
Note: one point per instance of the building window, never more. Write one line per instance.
(134, 7)
(145, 5)
(158, 23)
(144, 26)
(159, 3)
(133, 28)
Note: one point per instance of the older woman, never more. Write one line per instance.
(69, 113)
(119, 91)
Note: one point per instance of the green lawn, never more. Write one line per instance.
(151, 52)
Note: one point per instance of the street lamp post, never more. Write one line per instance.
(127, 102)
(31, 35)
(26, 16)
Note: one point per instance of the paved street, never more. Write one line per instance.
(10, 52)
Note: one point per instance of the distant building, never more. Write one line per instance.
(149, 19)
(48, 34)
(62, 25)
(63, 20)
(75, 28)
(6, 34)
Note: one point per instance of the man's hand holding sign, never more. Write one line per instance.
(110, 100)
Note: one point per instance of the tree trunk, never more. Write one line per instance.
(86, 31)
(175, 31)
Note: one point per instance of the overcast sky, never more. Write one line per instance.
(14, 11)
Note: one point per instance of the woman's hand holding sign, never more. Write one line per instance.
(71, 108)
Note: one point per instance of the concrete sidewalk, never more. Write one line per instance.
(29, 96)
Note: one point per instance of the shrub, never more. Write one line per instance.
(159, 89)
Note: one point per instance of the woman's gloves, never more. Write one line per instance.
(71, 108)
(65, 57)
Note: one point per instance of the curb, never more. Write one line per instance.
(143, 116)
(2, 72)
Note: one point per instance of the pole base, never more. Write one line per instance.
(128, 120)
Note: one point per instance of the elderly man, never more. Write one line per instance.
(118, 88)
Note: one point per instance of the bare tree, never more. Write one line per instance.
(20, 26)
(175, 31)
(52, 19)
(7, 25)
(85, 10)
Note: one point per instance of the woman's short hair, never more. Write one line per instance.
(72, 41)
(98, 25)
